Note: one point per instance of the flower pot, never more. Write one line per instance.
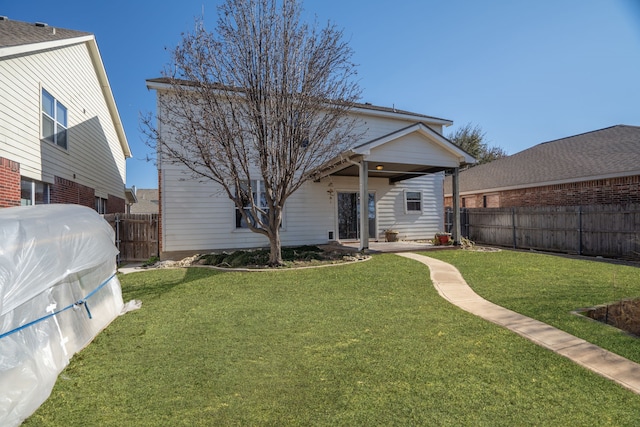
(391, 236)
(443, 238)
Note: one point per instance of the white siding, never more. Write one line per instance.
(376, 127)
(412, 149)
(94, 152)
(198, 216)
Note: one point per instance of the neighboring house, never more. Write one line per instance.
(61, 138)
(146, 201)
(402, 153)
(593, 168)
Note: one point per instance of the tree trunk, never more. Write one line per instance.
(275, 257)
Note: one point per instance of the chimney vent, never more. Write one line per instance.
(4, 18)
(41, 24)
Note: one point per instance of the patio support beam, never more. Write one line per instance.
(364, 205)
(456, 230)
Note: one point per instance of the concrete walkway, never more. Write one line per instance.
(452, 287)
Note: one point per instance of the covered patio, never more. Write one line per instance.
(411, 152)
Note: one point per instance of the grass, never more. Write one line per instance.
(364, 344)
(549, 288)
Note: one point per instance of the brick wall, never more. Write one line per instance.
(9, 183)
(115, 204)
(67, 191)
(596, 192)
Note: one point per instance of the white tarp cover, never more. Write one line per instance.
(58, 290)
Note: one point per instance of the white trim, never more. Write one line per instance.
(461, 156)
(406, 209)
(397, 115)
(35, 47)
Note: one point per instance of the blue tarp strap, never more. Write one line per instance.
(78, 303)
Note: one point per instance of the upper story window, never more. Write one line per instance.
(54, 120)
(413, 201)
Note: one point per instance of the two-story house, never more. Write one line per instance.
(61, 137)
(396, 166)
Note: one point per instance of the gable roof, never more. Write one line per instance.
(21, 38)
(604, 153)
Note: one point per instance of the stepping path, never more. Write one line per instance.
(451, 286)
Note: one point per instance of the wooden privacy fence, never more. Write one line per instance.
(136, 235)
(596, 230)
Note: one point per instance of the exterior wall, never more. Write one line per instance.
(197, 216)
(9, 183)
(309, 214)
(94, 158)
(375, 127)
(67, 191)
(115, 204)
(595, 192)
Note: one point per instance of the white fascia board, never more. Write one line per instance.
(547, 183)
(396, 115)
(429, 133)
(34, 47)
(108, 95)
(158, 85)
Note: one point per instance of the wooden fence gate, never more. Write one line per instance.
(136, 235)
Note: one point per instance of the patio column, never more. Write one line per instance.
(456, 230)
(364, 205)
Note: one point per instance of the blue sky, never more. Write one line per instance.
(526, 72)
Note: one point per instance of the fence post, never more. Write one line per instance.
(117, 220)
(579, 230)
(513, 226)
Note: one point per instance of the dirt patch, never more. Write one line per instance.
(623, 315)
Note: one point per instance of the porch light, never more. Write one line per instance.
(379, 167)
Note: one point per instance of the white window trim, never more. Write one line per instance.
(247, 229)
(406, 208)
(56, 123)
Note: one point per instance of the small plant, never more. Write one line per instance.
(442, 239)
(151, 261)
(466, 243)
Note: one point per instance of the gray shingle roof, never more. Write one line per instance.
(612, 151)
(17, 33)
(148, 201)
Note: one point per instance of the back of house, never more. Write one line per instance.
(400, 159)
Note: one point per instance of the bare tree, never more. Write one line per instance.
(472, 139)
(256, 106)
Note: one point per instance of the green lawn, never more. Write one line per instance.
(365, 344)
(550, 287)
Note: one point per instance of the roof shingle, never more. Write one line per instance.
(17, 33)
(612, 151)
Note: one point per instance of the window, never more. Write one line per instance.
(54, 120)
(33, 192)
(259, 198)
(101, 205)
(413, 201)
